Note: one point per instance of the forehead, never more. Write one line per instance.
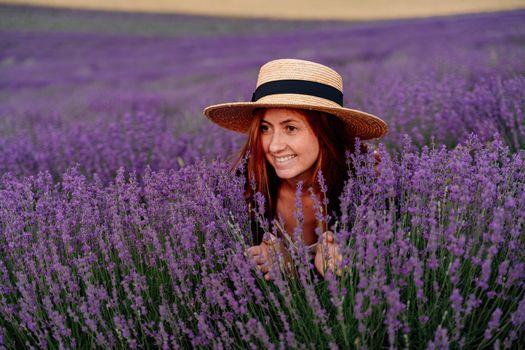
(276, 115)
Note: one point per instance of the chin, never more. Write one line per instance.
(282, 177)
(285, 175)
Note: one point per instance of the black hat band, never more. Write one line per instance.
(302, 87)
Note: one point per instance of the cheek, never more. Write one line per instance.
(312, 148)
(264, 144)
(314, 151)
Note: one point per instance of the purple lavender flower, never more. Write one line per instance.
(493, 323)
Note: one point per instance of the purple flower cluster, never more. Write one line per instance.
(133, 140)
(160, 262)
(438, 228)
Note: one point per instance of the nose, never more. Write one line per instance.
(277, 143)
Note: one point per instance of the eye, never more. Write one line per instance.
(290, 129)
(264, 128)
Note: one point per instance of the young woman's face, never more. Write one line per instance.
(289, 143)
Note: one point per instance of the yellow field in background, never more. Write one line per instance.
(292, 9)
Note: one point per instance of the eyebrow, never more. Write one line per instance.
(283, 122)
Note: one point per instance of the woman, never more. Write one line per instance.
(297, 128)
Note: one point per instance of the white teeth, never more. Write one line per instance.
(284, 159)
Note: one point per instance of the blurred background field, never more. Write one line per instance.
(72, 81)
(293, 9)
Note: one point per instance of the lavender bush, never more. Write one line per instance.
(133, 141)
(433, 257)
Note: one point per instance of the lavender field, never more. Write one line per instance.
(122, 225)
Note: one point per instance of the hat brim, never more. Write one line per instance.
(237, 116)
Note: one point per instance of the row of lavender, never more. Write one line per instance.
(69, 98)
(434, 257)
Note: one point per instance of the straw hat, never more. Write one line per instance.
(301, 84)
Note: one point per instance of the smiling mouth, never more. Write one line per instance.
(284, 159)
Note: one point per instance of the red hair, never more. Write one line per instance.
(334, 140)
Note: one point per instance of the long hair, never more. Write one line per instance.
(334, 141)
